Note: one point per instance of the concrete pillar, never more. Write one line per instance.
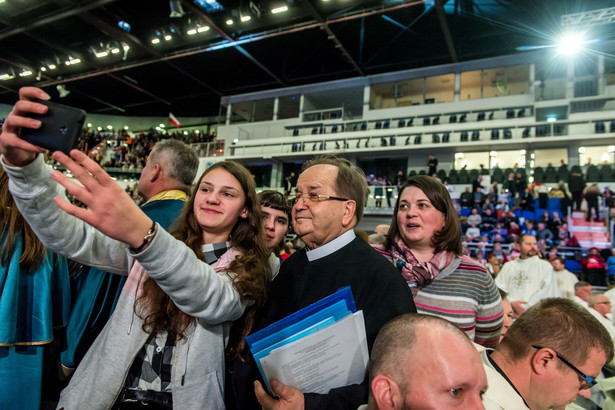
(456, 97)
(277, 169)
(276, 104)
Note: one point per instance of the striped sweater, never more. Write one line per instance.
(466, 295)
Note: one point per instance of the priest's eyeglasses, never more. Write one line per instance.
(587, 381)
(312, 197)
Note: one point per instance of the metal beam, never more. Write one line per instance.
(231, 40)
(235, 43)
(50, 18)
(446, 30)
(333, 37)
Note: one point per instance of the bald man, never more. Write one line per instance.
(422, 362)
(381, 229)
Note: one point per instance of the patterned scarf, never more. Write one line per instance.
(418, 274)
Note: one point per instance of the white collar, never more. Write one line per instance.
(330, 247)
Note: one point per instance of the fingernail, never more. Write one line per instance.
(45, 96)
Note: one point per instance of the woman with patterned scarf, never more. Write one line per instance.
(424, 243)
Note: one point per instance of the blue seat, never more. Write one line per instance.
(465, 211)
(529, 215)
(572, 265)
(554, 204)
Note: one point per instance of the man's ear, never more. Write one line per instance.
(349, 212)
(386, 392)
(542, 360)
(156, 173)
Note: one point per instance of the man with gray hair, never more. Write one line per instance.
(170, 170)
(421, 361)
(329, 201)
(165, 183)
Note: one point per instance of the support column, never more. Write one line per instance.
(601, 77)
(276, 104)
(570, 80)
(532, 79)
(457, 94)
(229, 110)
(366, 95)
(277, 175)
(301, 106)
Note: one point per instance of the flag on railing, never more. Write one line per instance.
(173, 120)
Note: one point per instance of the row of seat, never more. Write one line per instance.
(600, 128)
(401, 123)
(604, 173)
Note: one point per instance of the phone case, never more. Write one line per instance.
(60, 129)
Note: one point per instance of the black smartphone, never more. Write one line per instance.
(60, 129)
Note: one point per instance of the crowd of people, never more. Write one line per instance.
(120, 149)
(203, 267)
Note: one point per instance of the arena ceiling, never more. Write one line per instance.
(110, 67)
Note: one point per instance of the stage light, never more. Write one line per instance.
(176, 9)
(101, 54)
(281, 9)
(25, 73)
(245, 18)
(201, 29)
(229, 22)
(124, 26)
(570, 44)
(62, 91)
(191, 32)
(155, 40)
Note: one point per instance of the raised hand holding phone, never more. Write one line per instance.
(109, 208)
(15, 150)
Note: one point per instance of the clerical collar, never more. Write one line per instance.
(497, 368)
(330, 247)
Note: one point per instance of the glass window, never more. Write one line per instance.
(263, 110)
(440, 88)
(241, 112)
(470, 85)
(288, 106)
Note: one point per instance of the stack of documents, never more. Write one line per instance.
(318, 348)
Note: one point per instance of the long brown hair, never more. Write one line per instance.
(13, 226)
(251, 271)
(449, 237)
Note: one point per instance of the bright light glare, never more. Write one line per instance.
(245, 18)
(192, 32)
(155, 40)
(570, 44)
(279, 9)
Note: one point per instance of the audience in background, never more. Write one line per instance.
(565, 279)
